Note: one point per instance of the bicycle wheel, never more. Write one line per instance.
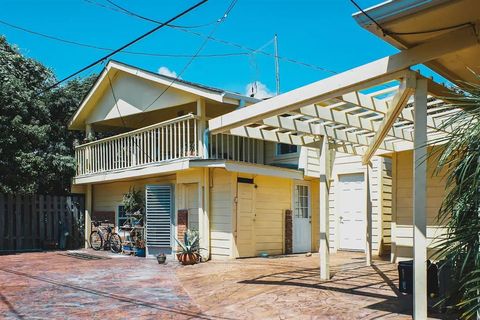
(96, 240)
(115, 243)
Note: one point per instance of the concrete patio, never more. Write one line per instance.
(57, 286)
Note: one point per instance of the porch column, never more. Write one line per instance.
(89, 133)
(368, 215)
(204, 213)
(419, 202)
(201, 126)
(324, 215)
(88, 213)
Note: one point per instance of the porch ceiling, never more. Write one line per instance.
(363, 118)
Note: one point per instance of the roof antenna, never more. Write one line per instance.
(277, 67)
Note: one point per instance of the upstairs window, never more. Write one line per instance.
(283, 149)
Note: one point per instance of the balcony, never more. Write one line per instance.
(164, 142)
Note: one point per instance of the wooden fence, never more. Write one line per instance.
(36, 222)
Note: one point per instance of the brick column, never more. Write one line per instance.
(182, 224)
(288, 232)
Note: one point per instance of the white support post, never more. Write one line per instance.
(89, 133)
(202, 125)
(419, 202)
(324, 214)
(88, 213)
(368, 216)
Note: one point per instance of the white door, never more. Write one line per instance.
(302, 222)
(351, 212)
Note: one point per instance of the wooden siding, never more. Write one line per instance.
(348, 164)
(221, 215)
(386, 204)
(272, 197)
(402, 235)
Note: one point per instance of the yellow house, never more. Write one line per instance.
(246, 196)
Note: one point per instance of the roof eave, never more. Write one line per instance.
(392, 10)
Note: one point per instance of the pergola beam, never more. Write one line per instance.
(274, 136)
(323, 130)
(353, 120)
(398, 103)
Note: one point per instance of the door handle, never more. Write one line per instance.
(341, 219)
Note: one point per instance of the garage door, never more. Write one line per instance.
(351, 212)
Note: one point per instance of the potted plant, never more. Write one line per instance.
(133, 202)
(139, 249)
(189, 249)
(161, 258)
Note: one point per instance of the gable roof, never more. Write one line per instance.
(207, 92)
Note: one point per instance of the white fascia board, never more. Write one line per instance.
(134, 173)
(392, 10)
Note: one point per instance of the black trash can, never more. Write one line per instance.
(405, 277)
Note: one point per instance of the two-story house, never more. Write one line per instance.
(245, 196)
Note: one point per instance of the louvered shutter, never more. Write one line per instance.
(158, 214)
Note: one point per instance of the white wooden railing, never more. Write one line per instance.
(235, 148)
(165, 141)
(169, 140)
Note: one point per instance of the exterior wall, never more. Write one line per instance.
(107, 196)
(386, 182)
(348, 164)
(222, 194)
(402, 230)
(272, 197)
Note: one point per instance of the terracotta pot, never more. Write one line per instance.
(187, 258)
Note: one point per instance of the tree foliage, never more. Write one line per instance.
(460, 157)
(36, 149)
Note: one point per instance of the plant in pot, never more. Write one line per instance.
(189, 249)
(133, 202)
(139, 248)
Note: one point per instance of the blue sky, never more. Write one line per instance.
(317, 32)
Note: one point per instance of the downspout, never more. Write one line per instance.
(206, 143)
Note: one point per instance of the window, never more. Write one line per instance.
(301, 201)
(121, 215)
(283, 148)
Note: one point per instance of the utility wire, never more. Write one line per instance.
(120, 9)
(225, 42)
(185, 67)
(390, 33)
(125, 46)
(91, 46)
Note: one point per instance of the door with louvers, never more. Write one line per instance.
(159, 209)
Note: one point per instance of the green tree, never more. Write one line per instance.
(459, 156)
(36, 149)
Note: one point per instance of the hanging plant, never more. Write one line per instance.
(133, 201)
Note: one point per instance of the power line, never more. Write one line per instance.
(225, 42)
(125, 45)
(120, 9)
(91, 46)
(229, 9)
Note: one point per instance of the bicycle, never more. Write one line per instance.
(104, 237)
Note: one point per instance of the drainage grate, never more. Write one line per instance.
(83, 256)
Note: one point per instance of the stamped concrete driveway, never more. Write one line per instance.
(55, 285)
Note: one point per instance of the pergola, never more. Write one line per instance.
(378, 108)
